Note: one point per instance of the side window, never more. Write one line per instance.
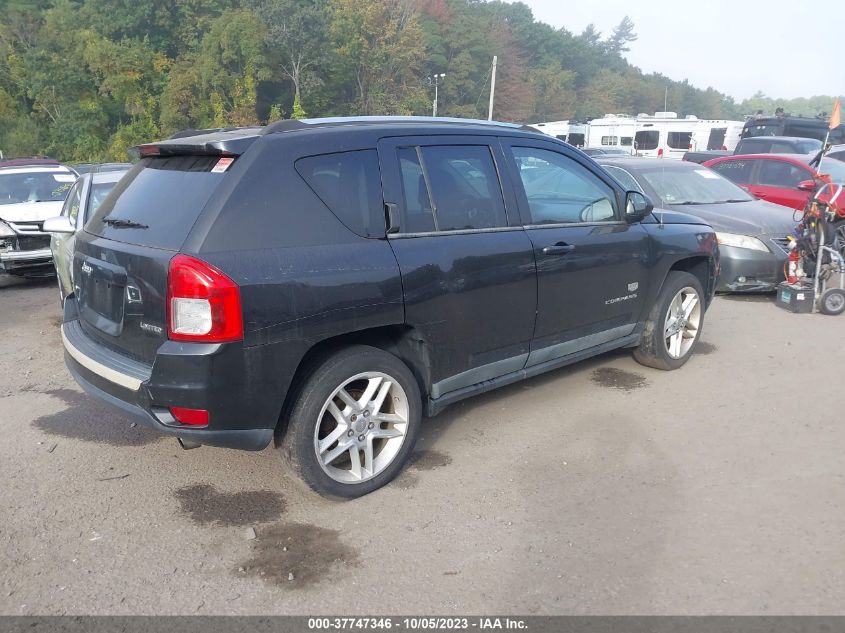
(647, 139)
(780, 174)
(679, 140)
(418, 217)
(349, 184)
(625, 179)
(738, 171)
(464, 186)
(560, 190)
(716, 140)
(454, 187)
(627, 141)
(609, 140)
(72, 202)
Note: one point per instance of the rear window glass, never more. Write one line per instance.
(647, 139)
(158, 201)
(782, 174)
(350, 186)
(679, 140)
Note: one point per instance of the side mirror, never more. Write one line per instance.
(60, 224)
(637, 206)
(807, 185)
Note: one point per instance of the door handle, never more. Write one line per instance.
(561, 248)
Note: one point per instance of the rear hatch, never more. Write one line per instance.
(121, 260)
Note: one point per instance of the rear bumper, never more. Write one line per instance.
(744, 270)
(146, 394)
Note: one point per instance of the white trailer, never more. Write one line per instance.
(612, 130)
(664, 135)
(573, 133)
(717, 134)
(558, 129)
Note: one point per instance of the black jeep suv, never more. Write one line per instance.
(331, 281)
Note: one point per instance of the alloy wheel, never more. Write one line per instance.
(361, 427)
(683, 318)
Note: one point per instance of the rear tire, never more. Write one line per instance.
(674, 325)
(354, 422)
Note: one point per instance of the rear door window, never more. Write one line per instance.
(72, 202)
(349, 184)
(647, 139)
(158, 201)
(450, 188)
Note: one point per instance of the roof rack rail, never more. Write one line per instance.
(283, 125)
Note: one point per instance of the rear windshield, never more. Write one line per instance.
(158, 201)
(34, 186)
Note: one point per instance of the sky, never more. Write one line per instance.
(785, 49)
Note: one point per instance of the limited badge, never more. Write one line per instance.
(222, 165)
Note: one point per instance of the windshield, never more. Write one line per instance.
(834, 168)
(35, 186)
(693, 186)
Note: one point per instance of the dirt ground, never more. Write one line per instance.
(603, 488)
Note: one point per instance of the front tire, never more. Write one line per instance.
(354, 422)
(674, 325)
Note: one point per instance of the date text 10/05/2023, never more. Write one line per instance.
(416, 623)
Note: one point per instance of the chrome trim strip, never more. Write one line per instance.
(14, 256)
(125, 381)
(573, 346)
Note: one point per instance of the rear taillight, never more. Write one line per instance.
(203, 304)
(660, 153)
(194, 417)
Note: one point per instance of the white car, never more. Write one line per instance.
(30, 192)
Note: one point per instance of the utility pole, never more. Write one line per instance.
(434, 80)
(492, 89)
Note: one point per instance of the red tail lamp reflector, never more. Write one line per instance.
(194, 417)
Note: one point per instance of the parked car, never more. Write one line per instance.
(82, 200)
(792, 126)
(606, 151)
(330, 281)
(761, 145)
(31, 190)
(785, 179)
(84, 168)
(752, 233)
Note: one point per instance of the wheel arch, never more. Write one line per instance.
(402, 341)
(703, 268)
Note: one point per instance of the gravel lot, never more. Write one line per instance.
(603, 488)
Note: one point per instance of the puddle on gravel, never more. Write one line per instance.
(703, 349)
(618, 379)
(86, 419)
(297, 555)
(429, 460)
(420, 460)
(204, 505)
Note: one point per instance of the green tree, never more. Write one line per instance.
(380, 48)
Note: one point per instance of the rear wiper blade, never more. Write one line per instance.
(124, 223)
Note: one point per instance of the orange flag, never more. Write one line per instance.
(835, 116)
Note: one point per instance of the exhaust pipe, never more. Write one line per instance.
(187, 444)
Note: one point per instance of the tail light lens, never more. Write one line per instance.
(660, 153)
(194, 417)
(203, 304)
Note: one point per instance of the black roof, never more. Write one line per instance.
(235, 140)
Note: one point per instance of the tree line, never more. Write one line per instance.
(84, 80)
